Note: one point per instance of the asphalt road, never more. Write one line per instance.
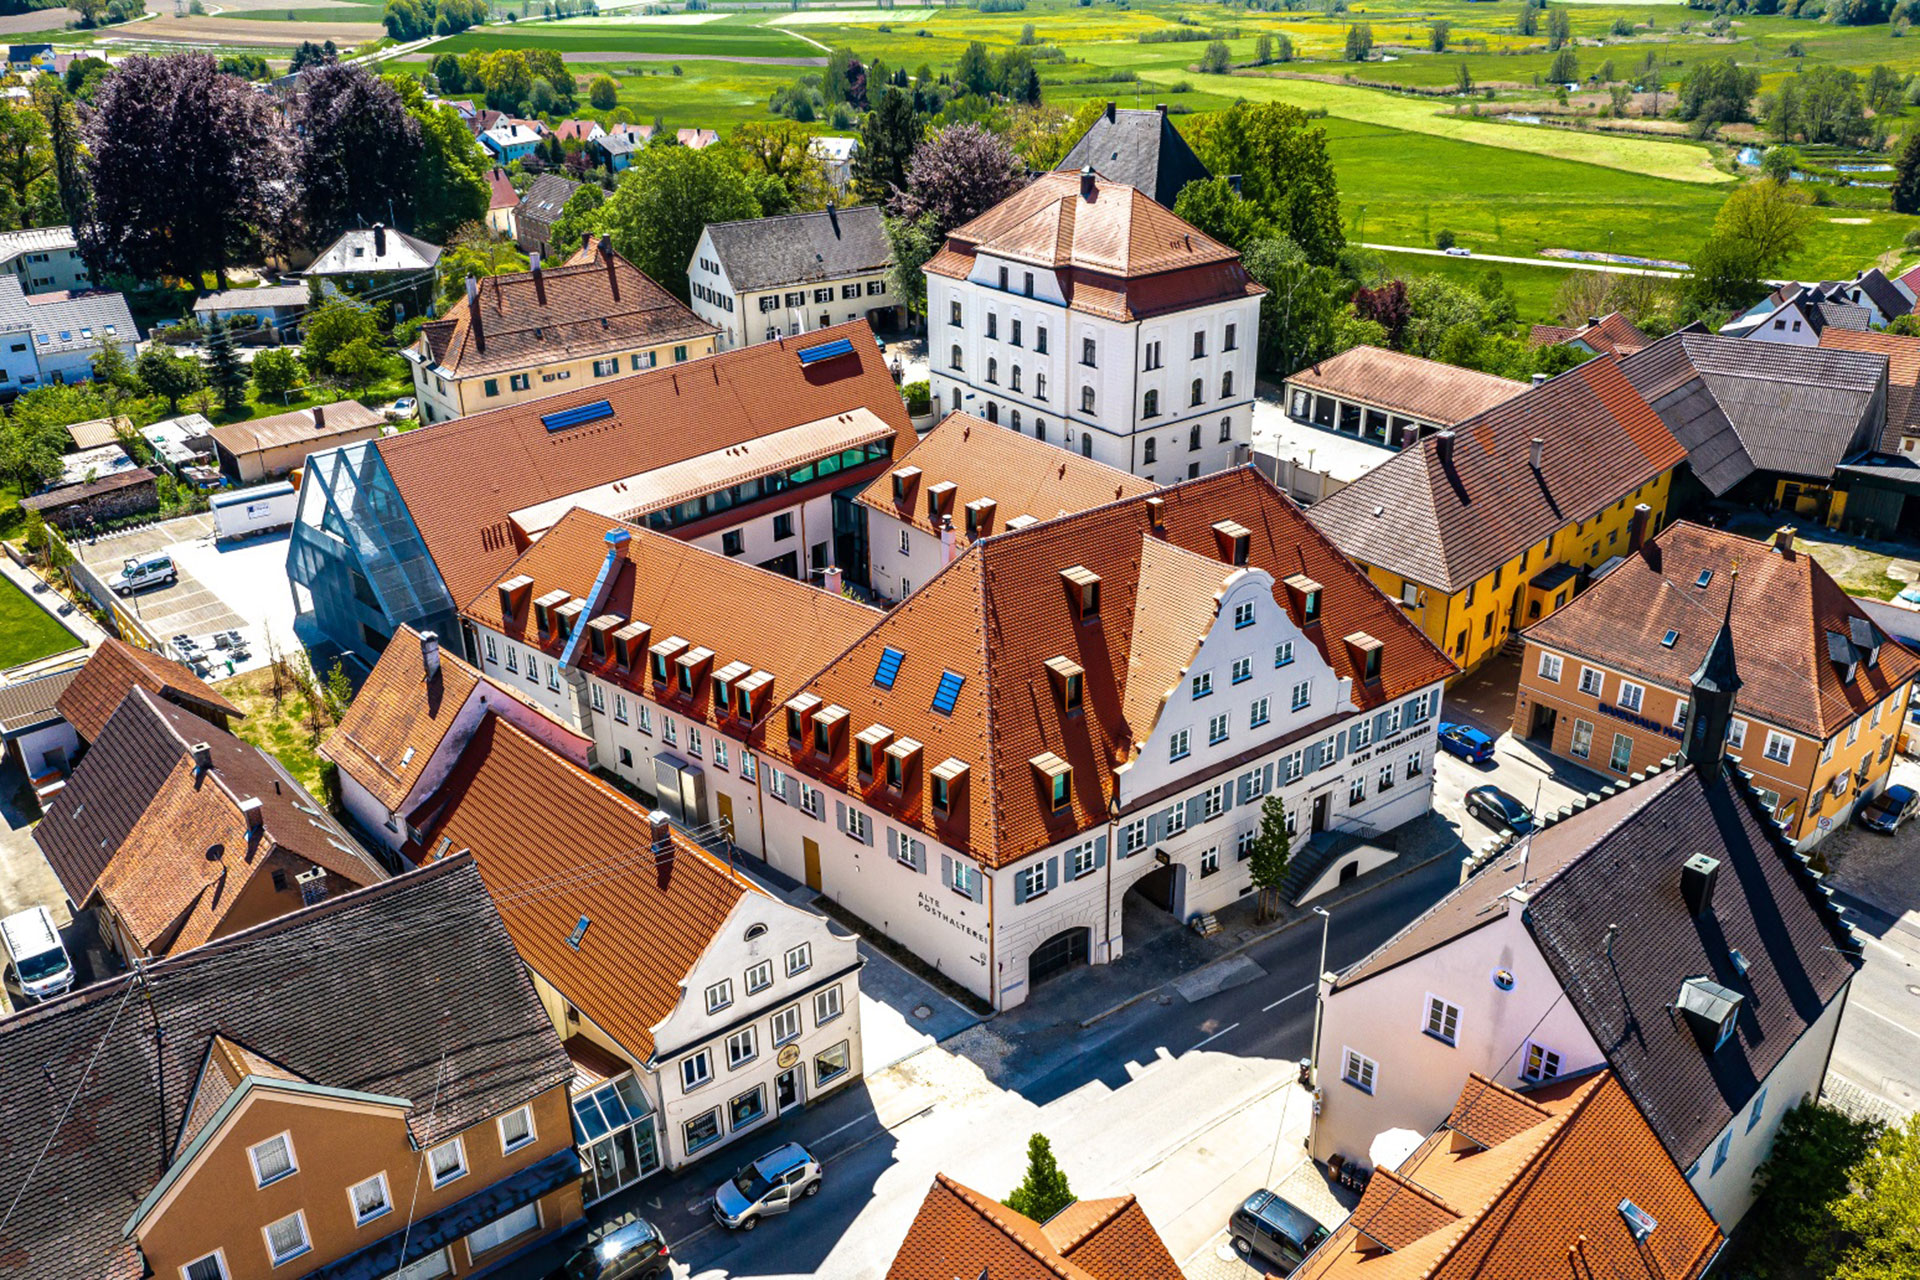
(1878, 1049)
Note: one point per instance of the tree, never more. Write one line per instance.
(225, 374)
(1529, 23)
(1779, 162)
(331, 327)
(1438, 34)
(1281, 156)
(187, 169)
(63, 140)
(887, 139)
(507, 78)
(1565, 68)
(34, 435)
(450, 184)
(1263, 50)
(1359, 42)
(29, 191)
(1463, 83)
(1217, 209)
(664, 201)
(168, 375)
(1723, 278)
(578, 218)
(912, 241)
(1272, 851)
(1879, 1215)
(1217, 60)
(974, 72)
(1387, 305)
(446, 73)
(782, 151)
(957, 174)
(1298, 314)
(1769, 217)
(310, 55)
(276, 372)
(1559, 28)
(1715, 91)
(1805, 1173)
(358, 155)
(1906, 174)
(1044, 1193)
(604, 93)
(359, 363)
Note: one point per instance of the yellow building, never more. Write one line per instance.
(1488, 528)
(527, 334)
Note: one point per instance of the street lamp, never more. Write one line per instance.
(1319, 1005)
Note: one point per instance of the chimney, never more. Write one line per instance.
(255, 813)
(1536, 452)
(539, 281)
(1443, 447)
(1593, 322)
(202, 757)
(613, 277)
(1161, 107)
(1539, 378)
(661, 833)
(832, 580)
(1233, 182)
(473, 313)
(1086, 183)
(1157, 515)
(1637, 532)
(379, 240)
(1110, 110)
(1783, 540)
(1697, 876)
(833, 216)
(430, 655)
(319, 417)
(946, 540)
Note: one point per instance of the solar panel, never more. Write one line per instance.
(890, 659)
(579, 415)
(948, 693)
(826, 351)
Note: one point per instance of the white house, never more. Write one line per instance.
(44, 260)
(1084, 313)
(836, 154)
(509, 141)
(767, 278)
(49, 338)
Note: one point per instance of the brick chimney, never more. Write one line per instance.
(430, 655)
(379, 240)
(539, 281)
(613, 277)
(1112, 107)
(255, 813)
(1637, 531)
(1783, 540)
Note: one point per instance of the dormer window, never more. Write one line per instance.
(1713, 1010)
(750, 695)
(567, 617)
(1303, 593)
(904, 481)
(867, 749)
(545, 611)
(1234, 540)
(693, 666)
(513, 597)
(630, 641)
(800, 716)
(949, 785)
(1069, 681)
(723, 682)
(980, 518)
(1083, 585)
(829, 724)
(1365, 652)
(940, 501)
(599, 635)
(1056, 780)
(902, 758)
(665, 656)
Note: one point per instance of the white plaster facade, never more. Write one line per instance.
(747, 317)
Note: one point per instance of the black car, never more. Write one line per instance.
(1499, 810)
(1273, 1233)
(636, 1251)
(1886, 811)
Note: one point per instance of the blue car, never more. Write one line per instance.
(1467, 742)
(1886, 811)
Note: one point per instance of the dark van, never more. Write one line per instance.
(1274, 1234)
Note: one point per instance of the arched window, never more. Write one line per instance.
(1226, 431)
(1039, 386)
(1199, 393)
(1147, 453)
(1016, 419)
(1086, 399)
(1150, 407)
(993, 411)
(956, 399)
(1016, 377)
(1226, 384)
(1086, 444)
(993, 370)
(1086, 352)
(953, 360)
(1039, 428)
(1193, 438)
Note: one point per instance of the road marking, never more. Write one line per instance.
(1290, 995)
(1892, 1022)
(1215, 1036)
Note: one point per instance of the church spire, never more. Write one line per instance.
(1714, 684)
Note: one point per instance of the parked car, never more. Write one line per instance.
(1273, 1233)
(1886, 811)
(768, 1186)
(37, 966)
(636, 1251)
(1459, 251)
(1498, 809)
(401, 408)
(1467, 742)
(140, 572)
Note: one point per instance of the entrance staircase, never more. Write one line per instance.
(1320, 852)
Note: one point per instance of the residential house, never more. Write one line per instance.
(836, 155)
(175, 832)
(1775, 425)
(266, 448)
(384, 268)
(115, 669)
(34, 736)
(45, 260)
(1128, 335)
(1900, 438)
(966, 480)
(1609, 335)
(1562, 1176)
(1139, 148)
(1389, 398)
(615, 150)
(406, 729)
(522, 335)
(1668, 931)
(1487, 527)
(49, 338)
(697, 1008)
(1106, 1239)
(1796, 315)
(502, 201)
(698, 139)
(766, 278)
(29, 57)
(320, 1095)
(581, 131)
(509, 140)
(271, 312)
(1872, 289)
(408, 528)
(540, 206)
(1605, 680)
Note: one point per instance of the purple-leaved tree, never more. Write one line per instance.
(956, 175)
(358, 153)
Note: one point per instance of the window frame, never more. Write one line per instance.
(725, 998)
(260, 1181)
(1366, 1078)
(765, 969)
(805, 952)
(1534, 1063)
(386, 1198)
(1440, 1012)
(306, 1238)
(773, 1025)
(820, 999)
(702, 1060)
(743, 1046)
(533, 1130)
(438, 1179)
(219, 1257)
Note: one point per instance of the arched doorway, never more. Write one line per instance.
(1159, 886)
(1065, 950)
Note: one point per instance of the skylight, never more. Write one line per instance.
(579, 415)
(1706, 576)
(826, 351)
(889, 668)
(579, 933)
(948, 694)
(1666, 641)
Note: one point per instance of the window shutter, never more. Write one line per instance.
(1340, 745)
(920, 855)
(946, 871)
(867, 831)
(1312, 760)
(1019, 887)
(1099, 851)
(840, 815)
(1226, 796)
(1193, 812)
(1267, 779)
(820, 810)
(1053, 872)
(1380, 726)
(978, 886)
(1156, 828)
(1410, 712)
(893, 843)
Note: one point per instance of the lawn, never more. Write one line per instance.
(282, 731)
(1533, 289)
(28, 633)
(711, 39)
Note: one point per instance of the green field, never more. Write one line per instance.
(598, 37)
(28, 632)
(1533, 289)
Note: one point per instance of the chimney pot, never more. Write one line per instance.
(1539, 378)
(430, 654)
(1157, 515)
(1536, 453)
(202, 756)
(1443, 446)
(660, 831)
(255, 814)
(1783, 539)
(1697, 876)
(1637, 534)
(946, 540)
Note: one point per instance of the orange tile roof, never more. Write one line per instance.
(1022, 475)
(998, 613)
(115, 669)
(1612, 334)
(1542, 1200)
(959, 1232)
(556, 844)
(1426, 389)
(659, 417)
(1119, 253)
(1903, 376)
(1787, 606)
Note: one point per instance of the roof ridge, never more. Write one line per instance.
(1115, 1206)
(978, 1202)
(1649, 790)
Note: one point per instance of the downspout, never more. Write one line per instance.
(1113, 857)
(1133, 437)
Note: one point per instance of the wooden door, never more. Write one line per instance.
(726, 815)
(811, 850)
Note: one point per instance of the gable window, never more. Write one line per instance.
(1541, 1063)
(448, 1161)
(1180, 744)
(1358, 1070)
(759, 978)
(1243, 615)
(370, 1199)
(1443, 1020)
(742, 1047)
(1258, 713)
(695, 1071)
(211, 1267)
(272, 1159)
(516, 1129)
(826, 1006)
(1203, 684)
(287, 1238)
(1242, 669)
(1217, 730)
(1283, 653)
(1302, 694)
(720, 995)
(800, 959)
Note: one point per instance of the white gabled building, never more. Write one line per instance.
(45, 260)
(1080, 311)
(768, 278)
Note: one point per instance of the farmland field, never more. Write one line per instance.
(713, 40)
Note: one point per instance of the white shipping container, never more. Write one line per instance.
(245, 512)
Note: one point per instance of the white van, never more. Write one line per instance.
(146, 571)
(37, 963)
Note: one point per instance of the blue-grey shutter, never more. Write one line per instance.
(946, 871)
(977, 886)
(840, 815)
(867, 832)
(1340, 745)
(1099, 851)
(1193, 812)
(1019, 887)
(1226, 797)
(1053, 872)
(919, 855)
(1156, 827)
(820, 813)
(1408, 712)
(1267, 783)
(1312, 758)
(1380, 726)
(1244, 785)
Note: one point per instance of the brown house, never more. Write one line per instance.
(116, 669)
(329, 1099)
(1822, 689)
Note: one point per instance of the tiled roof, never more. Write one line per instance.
(26, 703)
(399, 718)
(1023, 476)
(959, 1232)
(1118, 254)
(1446, 523)
(166, 843)
(36, 239)
(115, 669)
(581, 130)
(1542, 1199)
(1424, 389)
(313, 426)
(545, 197)
(69, 495)
(65, 322)
(1624, 982)
(453, 1026)
(659, 417)
(500, 192)
(262, 297)
(556, 845)
(360, 250)
(590, 308)
(1610, 335)
(801, 248)
(1891, 302)
(1787, 607)
(1903, 377)
(998, 613)
(1139, 148)
(1740, 406)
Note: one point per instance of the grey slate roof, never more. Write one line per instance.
(279, 989)
(27, 704)
(1740, 407)
(801, 248)
(1141, 149)
(62, 323)
(1885, 294)
(264, 298)
(545, 197)
(1765, 904)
